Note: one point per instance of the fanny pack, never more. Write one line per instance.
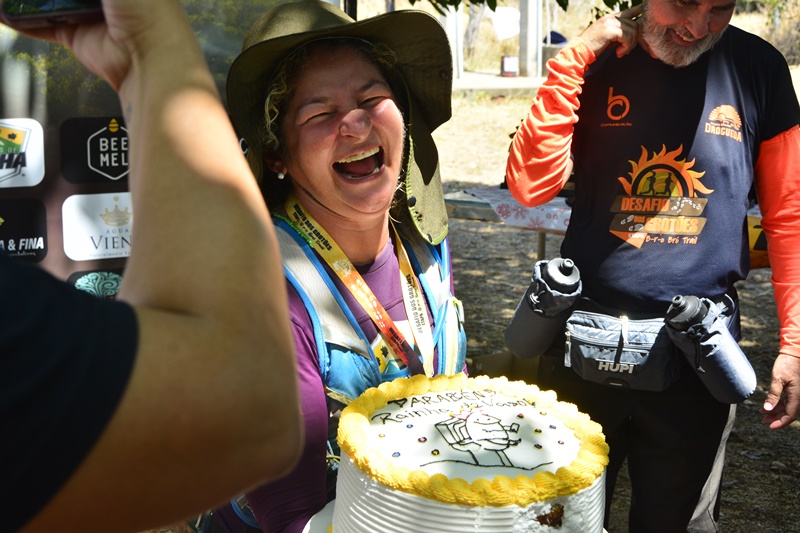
(613, 350)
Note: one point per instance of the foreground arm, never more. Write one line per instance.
(779, 200)
(539, 163)
(287, 504)
(211, 408)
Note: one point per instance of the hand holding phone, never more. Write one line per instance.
(28, 14)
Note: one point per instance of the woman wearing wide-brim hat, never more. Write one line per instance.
(337, 118)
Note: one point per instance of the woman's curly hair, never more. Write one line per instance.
(281, 87)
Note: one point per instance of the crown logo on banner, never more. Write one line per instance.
(116, 217)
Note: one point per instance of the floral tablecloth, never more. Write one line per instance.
(552, 217)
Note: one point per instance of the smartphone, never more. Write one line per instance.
(23, 14)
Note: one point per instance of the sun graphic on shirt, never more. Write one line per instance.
(663, 174)
(726, 115)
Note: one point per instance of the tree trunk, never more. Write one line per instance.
(474, 24)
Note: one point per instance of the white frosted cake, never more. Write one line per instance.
(456, 454)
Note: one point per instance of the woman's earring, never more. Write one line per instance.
(281, 175)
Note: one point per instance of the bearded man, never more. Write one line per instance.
(668, 119)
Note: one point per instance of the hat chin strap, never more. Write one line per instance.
(424, 194)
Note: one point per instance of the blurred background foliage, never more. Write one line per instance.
(44, 81)
(777, 21)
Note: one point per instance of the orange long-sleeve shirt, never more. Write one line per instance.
(539, 165)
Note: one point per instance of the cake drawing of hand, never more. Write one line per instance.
(455, 454)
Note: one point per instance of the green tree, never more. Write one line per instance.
(442, 6)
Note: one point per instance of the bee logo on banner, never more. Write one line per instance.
(94, 150)
(21, 153)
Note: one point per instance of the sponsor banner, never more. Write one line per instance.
(97, 226)
(101, 283)
(23, 229)
(94, 150)
(21, 153)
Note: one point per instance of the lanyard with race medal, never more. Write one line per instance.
(412, 292)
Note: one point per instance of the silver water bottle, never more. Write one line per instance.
(543, 310)
(699, 328)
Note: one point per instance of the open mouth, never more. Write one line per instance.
(686, 40)
(361, 165)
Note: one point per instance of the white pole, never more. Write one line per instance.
(538, 38)
(452, 26)
(527, 56)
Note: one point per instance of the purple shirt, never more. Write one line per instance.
(287, 505)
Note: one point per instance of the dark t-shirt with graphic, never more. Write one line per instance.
(664, 163)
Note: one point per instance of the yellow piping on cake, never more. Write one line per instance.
(523, 490)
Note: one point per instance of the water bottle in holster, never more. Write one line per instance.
(698, 326)
(543, 310)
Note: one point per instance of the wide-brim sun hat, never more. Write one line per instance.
(424, 61)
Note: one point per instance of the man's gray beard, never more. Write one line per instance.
(661, 45)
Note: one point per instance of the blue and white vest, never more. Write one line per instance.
(347, 364)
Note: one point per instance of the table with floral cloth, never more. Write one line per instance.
(495, 204)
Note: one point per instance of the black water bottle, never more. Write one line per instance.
(543, 310)
(686, 311)
(699, 328)
(561, 275)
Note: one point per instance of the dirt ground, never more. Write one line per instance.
(492, 264)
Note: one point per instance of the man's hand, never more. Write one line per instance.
(621, 28)
(109, 49)
(782, 404)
